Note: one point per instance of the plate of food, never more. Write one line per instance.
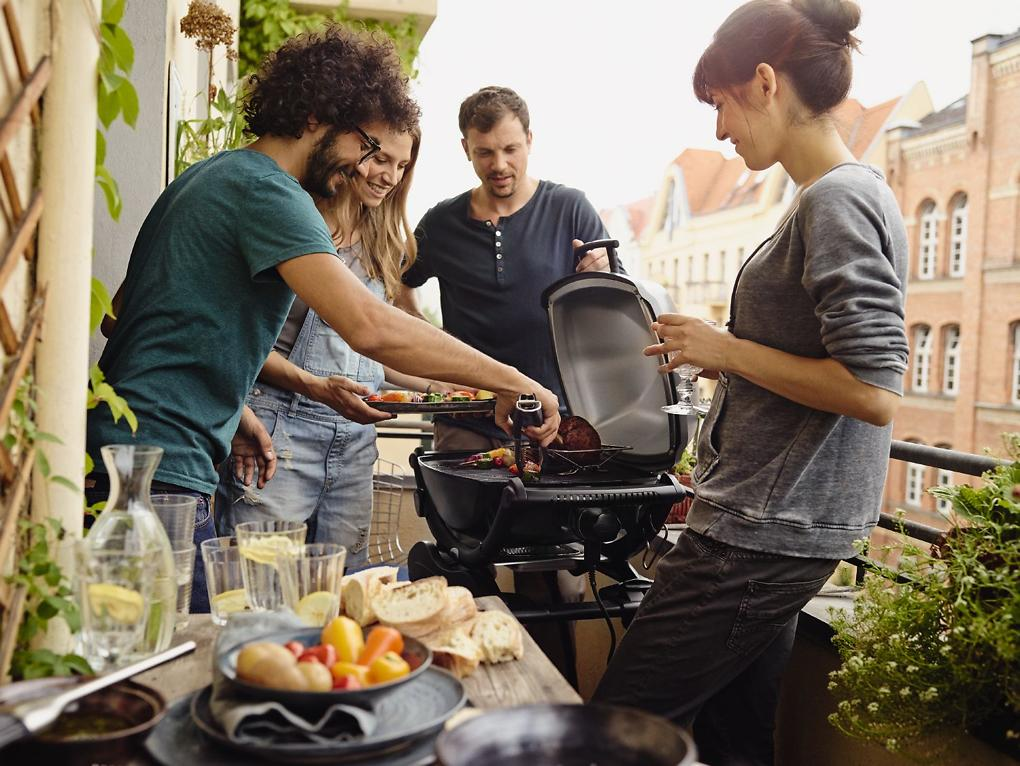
(313, 669)
(418, 402)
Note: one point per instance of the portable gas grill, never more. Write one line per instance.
(576, 517)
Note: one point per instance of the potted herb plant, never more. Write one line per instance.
(938, 654)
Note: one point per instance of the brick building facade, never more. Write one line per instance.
(956, 175)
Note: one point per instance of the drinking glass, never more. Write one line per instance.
(687, 389)
(113, 590)
(177, 513)
(184, 567)
(260, 543)
(310, 577)
(223, 578)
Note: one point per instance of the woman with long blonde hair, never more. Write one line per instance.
(309, 392)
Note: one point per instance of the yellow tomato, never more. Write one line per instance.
(341, 669)
(389, 667)
(346, 637)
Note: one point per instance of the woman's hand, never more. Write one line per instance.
(688, 340)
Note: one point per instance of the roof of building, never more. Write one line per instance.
(954, 114)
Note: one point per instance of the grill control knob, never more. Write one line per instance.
(597, 525)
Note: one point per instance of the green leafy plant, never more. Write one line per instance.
(48, 597)
(116, 96)
(938, 654)
(266, 24)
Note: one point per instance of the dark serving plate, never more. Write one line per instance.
(423, 408)
(418, 656)
(406, 723)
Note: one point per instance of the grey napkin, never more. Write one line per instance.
(270, 723)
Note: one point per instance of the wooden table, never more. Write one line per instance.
(532, 679)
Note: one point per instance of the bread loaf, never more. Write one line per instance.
(498, 635)
(413, 608)
(454, 650)
(358, 591)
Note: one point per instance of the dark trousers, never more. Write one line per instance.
(204, 529)
(710, 642)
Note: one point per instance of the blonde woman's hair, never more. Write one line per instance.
(387, 240)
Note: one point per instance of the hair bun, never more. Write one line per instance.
(839, 18)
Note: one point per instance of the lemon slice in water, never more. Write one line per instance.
(318, 607)
(264, 550)
(230, 601)
(122, 604)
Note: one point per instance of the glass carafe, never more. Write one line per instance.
(128, 523)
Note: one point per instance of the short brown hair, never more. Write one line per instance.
(483, 109)
(808, 40)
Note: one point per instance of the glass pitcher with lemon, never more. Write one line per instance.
(140, 609)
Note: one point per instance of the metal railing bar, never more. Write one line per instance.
(947, 459)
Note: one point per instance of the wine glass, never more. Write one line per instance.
(687, 389)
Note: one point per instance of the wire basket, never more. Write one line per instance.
(573, 460)
(387, 493)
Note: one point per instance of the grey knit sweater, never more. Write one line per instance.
(774, 475)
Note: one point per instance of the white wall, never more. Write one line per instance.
(137, 158)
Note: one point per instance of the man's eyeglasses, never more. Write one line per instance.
(373, 149)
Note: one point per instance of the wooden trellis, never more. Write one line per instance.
(22, 225)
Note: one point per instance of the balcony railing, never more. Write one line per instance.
(708, 293)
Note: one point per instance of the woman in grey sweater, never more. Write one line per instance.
(792, 454)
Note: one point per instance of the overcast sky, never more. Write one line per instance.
(608, 83)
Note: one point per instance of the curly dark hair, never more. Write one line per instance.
(341, 77)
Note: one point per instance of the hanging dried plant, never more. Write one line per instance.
(209, 25)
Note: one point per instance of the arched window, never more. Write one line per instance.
(922, 358)
(929, 241)
(951, 360)
(958, 235)
(943, 478)
(915, 485)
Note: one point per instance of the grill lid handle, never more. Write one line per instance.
(609, 244)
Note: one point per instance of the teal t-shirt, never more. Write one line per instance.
(202, 305)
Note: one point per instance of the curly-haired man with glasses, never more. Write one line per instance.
(226, 246)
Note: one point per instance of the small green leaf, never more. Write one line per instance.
(78, 664)
(63, 481)
(113, 11)
(107, 106)
(43, 463)
(110, 190)
(123, 49)
(100, 149)
(90, 464)
(128, 102)
(46, 610)
(43, 436)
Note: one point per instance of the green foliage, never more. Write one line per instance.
(48, 597)
(266, 24)
(222, 129)
(116, 96)
(940, 653)
(100, 391)
(22, 432)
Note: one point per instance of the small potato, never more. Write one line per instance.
(317, 676)
(277, 674)
(251, 654)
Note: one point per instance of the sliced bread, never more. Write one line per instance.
(460, 606)
(454, 650)
(358, 591)
(498, 635)
(414, 608)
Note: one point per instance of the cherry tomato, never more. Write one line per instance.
(324, 653)
(295, 647)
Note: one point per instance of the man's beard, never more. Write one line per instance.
(322, 166)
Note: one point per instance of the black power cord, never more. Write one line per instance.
(605, 615)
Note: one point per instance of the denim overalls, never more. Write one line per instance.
(324, 461)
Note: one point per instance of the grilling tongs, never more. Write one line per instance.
(25, 718)
(528, 412)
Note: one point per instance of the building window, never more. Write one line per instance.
(704, 266)
(951, 360)
(915, 484)
(944, 478)
(922, 358)
(958, 236)
(929, 241)
(1014, 387)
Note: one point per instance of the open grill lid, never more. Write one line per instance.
(600, 325)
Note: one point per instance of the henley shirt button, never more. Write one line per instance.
(499, 233)
(499, 268)
(499, 256)
(489, 224)
(499, 244)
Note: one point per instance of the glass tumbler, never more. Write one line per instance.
(310, 577)
(260, 543)
(223, 578)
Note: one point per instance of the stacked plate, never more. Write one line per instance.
(408, 720)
